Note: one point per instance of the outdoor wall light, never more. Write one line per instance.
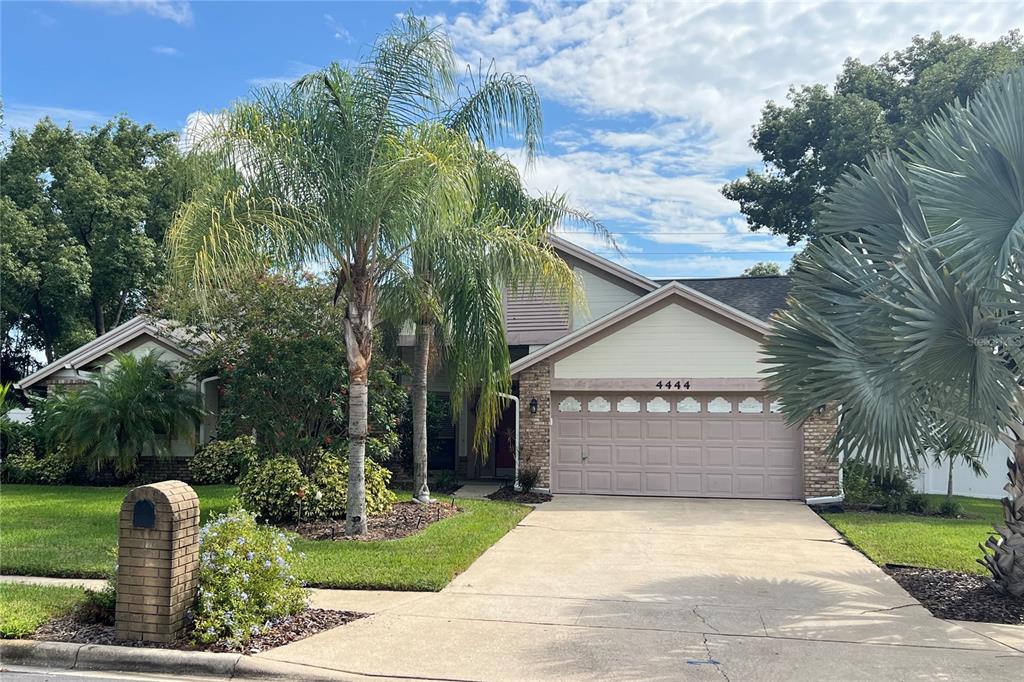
(533, 406)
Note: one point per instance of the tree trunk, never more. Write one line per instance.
(949, 483)
(97, 317)
(424, 336)
(359, 310)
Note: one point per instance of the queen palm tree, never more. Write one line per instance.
(460, 275)
(337, 171)
(909, 312)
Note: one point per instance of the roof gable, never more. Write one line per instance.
(641, 307)
(756, 296)
(141, 325)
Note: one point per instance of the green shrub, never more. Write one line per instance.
(917, 503)
(223, 461)
(99, 606)
(246, 580)
(277, 491)
(23, 466)
(528, 477)
(865, 484)
(951, 508)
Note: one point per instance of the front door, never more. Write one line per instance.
(505, 437)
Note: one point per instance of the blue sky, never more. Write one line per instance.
(648, 106)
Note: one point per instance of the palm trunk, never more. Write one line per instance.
(1018, 452)
(949, 483)
(359, 311)
(424, 336)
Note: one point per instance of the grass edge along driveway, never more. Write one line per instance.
(71, 531)
(23, 608)
(926, 541)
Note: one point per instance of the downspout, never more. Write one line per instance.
(832, 499)
(515, 399)
(202, 398)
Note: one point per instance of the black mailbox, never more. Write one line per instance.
(144, 514)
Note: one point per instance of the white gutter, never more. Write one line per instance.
(202, 398)
(515, 399)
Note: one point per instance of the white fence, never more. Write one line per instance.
(933, 478)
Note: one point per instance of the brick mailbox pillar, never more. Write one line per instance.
(157, 561)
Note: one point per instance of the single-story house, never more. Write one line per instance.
(138, 336)
(652, 388)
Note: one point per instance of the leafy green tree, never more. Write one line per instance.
(336, 171)
(136, 404)
(84, 217)
(281, 362)
(763, 269)
(822, 132)
(908, 311)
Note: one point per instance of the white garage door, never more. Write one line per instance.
(701, 445)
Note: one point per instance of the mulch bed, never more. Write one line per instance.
(510, 494)
(404, 519)
(957, 596)
(289, 629)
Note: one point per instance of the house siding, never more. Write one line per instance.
(673, 341)
(534, 317)
(603, 297)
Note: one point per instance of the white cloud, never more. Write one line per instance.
(667, 93)
(27, 115)
(178, 11)
(337, 28)
(294, 71)
(165, 50)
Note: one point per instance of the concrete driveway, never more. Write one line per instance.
(659, 589)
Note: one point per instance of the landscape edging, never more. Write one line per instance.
(73, 656)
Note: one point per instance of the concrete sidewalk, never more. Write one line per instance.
(628, 588)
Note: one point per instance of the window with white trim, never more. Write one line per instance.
(628, 404)
(720, 405)
(658, 404)
(751, 405)
(688, 405)
(570, 404)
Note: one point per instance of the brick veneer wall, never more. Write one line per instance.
(821, 472)
(157, 568)
(535, 429)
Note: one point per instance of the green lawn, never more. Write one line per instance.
(72, 531)
(23, 608)
(928, 541)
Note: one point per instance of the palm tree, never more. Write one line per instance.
(949, 447)
(137, 403)
(912, 303)
(336, 172)
(460, 274)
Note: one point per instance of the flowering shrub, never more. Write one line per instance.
(277, 491)
(223, 461)
(246, 581)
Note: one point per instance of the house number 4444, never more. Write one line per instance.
(672, 383)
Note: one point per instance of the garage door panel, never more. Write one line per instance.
(646, 444)
(628, 429)
(717, 456)
(718, 429)
(658, 455)
(749, 429)
(629, 455)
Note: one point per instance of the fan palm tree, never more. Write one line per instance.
(912, 304)
(136, 404)
(337, 171)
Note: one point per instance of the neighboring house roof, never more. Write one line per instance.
(614, 269)
(171, 333)
(756, 296)
(672, 288)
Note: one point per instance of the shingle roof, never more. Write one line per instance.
(756, 296)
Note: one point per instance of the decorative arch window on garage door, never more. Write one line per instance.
(751, 405)
(599, 404)
(570, 404)
(628, 404)
(658, 404)
(688, 405)
(720, 405)
(775, 407)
